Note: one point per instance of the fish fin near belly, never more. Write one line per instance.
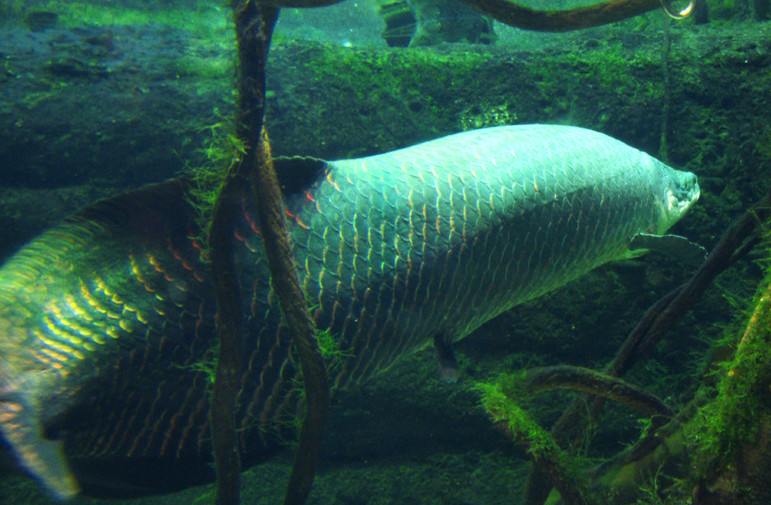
(680, 248)
(448, 365)
(44, 459)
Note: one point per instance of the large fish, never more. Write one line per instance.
(107, 320)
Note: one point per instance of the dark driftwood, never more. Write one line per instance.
(231, 343)
(547, 456)
(570, 489)
(299, 321)
(596, 383)
(253, 35)
(254, 25)
(562, 20)
(533, 19)
(735, 243)
(299, 3)
(499, 400)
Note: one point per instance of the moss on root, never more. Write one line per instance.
(738, 415)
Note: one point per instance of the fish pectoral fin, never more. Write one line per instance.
(685, 251)
(44, 459)
(448, 365)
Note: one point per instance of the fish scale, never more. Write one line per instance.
(107, 320)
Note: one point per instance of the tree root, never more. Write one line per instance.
(533, 439)
(596, 383)
(562, 20)
(254, 23)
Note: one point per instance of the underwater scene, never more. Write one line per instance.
(456, 252)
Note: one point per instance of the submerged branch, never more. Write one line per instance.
(298, 319)
(254, 23)
(596, 383)
(499, 400)
(231, 349)
(541, 20)
(299, 3)
(253, 34)
(562, 20)
(254, 27)
(533, 439)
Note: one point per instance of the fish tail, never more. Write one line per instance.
(20, 426)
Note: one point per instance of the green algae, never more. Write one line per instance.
(733, 418)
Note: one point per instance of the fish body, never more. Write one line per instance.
(107, 320)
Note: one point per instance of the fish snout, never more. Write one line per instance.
(681, 190)
(682, 193)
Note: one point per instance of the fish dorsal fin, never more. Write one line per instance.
(147, 211)
(685, 251)
(157, 211)
(296, 173)
(148, 215)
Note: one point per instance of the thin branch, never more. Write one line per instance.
(596, 383)
(500, 404)
(253, 33)
(299, 3)
(562, 20)
(254, 23)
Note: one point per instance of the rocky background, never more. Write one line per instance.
(92, 105)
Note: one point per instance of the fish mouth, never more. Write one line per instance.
(680, 193)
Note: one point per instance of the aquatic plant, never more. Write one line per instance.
(223, 149)
(729, 427)
(499, 401)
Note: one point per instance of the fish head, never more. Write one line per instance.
(676, 192)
